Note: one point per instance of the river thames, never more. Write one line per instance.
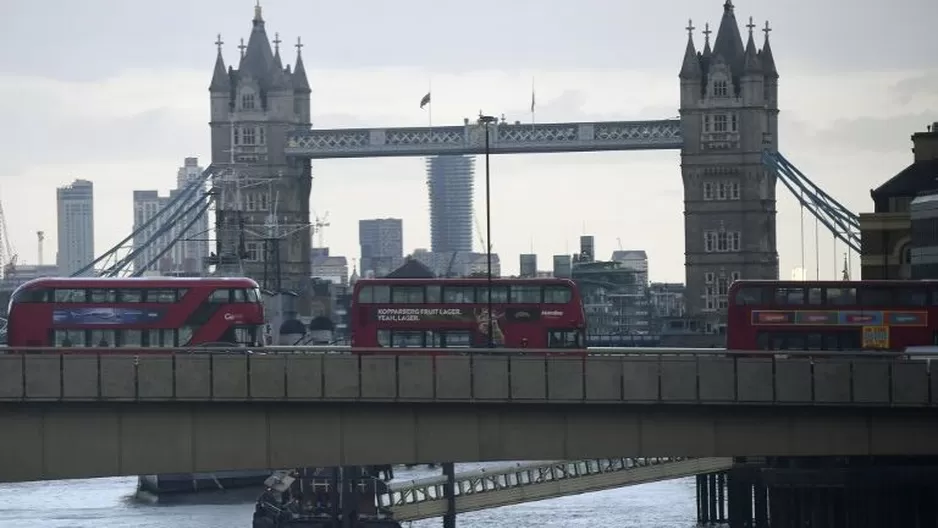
(109, 503)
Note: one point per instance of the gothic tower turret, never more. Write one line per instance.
(728, 116)
(262, 222)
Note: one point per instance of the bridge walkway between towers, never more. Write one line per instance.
(492, 488)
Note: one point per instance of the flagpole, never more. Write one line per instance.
(430, 104)
(533, 120)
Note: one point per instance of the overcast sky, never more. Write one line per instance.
(116, 91)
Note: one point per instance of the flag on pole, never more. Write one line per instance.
(425, 101)
(532, 100)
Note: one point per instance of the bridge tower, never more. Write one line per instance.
(253, 108)
(729, 114)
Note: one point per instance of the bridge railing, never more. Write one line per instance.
(498, 479)
(627, 376)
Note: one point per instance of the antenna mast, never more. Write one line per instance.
(40, 236)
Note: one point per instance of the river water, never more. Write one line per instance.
(109, 503)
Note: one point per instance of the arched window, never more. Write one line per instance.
(248, 100)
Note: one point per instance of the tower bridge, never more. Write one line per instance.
(263, 143)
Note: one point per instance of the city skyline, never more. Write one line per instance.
(841, 115)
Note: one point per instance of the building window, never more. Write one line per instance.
(734, 191)
(735, 276)
(734, 126)
(236, 132)
(708, 277)
(247, 136)
(720, 88)
(722, 241)
(720, 123)
(247, 101)
(707, 191)
(734, 242)
(262, 201)
(253, 251)
(722, 191)
(261, 136)
(708, 123)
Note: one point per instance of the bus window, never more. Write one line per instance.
(407, 338)
(102, 338)
(382, 295)
(787, 296)
(434, 293)
(525, 294)
(563, 339)
(161, 296)
(185, 335)
(499, 294)
(32, 296)
(557, 294)
(69, 338)
(841, 296)
(238, 296)
(130, 338)
(251, 295)
(873, 296)
(456, 339)
(69, 296)
(912, 297)
(407, 294)
(458, 294)
(814, 296)
(130, 296)
(366, 295)
(749, 295)
(102, 296)
(220, 296)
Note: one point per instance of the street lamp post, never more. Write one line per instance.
(486, 121)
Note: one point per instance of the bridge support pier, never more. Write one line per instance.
(711, 498)
(449, 492)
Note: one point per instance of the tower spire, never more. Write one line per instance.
(258, 17)
(768, 61)
(300, 82)
(706, 34)
(690, 67)
(242, 47)
(751, 62)
(220, 80)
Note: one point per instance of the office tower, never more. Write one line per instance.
(382, 245)
(450, 183)
(190, 246)
(75, 207)
(528, 265)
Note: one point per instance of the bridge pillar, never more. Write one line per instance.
(449, 492)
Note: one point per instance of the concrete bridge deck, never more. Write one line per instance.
(75, 416)
(534, 481)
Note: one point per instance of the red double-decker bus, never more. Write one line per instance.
(135, 313)
(453, 313)
(832, 315)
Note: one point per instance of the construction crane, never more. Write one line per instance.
(7, 255)
(475, 220)
(40, 236)
(321, 222)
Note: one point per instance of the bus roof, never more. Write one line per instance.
(834, 283)
(481, 281)
(139, 282)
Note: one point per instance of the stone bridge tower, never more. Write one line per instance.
(729, 114)
(262, 219)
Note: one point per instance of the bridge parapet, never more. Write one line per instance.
(641, 377)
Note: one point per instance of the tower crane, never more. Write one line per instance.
(7, 255)
(475, 220)
(318, 226)
(40, 236)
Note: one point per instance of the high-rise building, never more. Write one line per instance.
(450, 184)
(382, 245)
(528, 265)
(190, 253)
(189, 247)
(75, 226)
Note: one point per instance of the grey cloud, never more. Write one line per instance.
(159, 133)
(871, 134)
(910, 89)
